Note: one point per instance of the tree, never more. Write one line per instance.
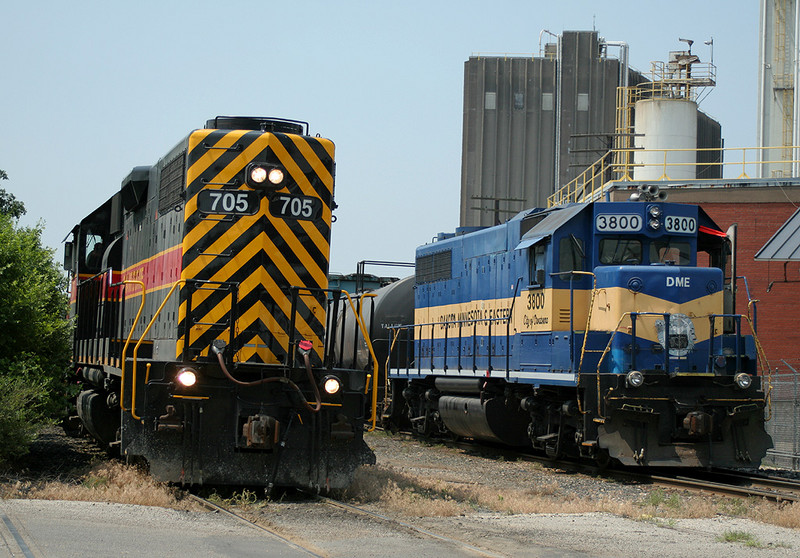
(9, 205)
(34, 334)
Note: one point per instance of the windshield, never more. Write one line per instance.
(670, 251)
(620, 251)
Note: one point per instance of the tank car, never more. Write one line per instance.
(601, 330)
(204, 319)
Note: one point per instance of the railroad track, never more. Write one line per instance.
(267, 531)
(448, 543)
(715, 481)
(736, 483)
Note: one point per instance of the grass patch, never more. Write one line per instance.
(740, 537)
(419, 495)
(107, 482)
(241, 499)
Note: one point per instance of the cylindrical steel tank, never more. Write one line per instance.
(665, 124)
(392, 305)
(489, 420)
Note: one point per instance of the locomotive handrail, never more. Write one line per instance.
(458, 323)
(586, 331)
(128, 341)
(368, 341)
(711, 317)
(762, 357)
(136, 348)
(571, 316)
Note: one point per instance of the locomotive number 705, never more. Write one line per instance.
(295, 207)
(230, 202)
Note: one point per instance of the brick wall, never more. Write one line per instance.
(778, 310)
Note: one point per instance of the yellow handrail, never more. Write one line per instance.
(136, 348)
(761, 358)
(358, 315)
(618, 163)
(128, 341)
(368, 341)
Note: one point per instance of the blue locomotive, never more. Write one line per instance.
(601, 330)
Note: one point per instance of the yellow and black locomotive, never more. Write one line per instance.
(203, 319)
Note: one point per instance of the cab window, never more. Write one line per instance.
(670, 251)
(93, 249)
(570, 254)
(620, 251)
(536, 264)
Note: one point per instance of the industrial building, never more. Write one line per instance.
(533, 123)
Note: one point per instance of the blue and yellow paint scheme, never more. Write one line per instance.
(582, 319)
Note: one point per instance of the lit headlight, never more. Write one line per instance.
(275, 176)
(634, 379)
(187, 377)
(331, 385)
(742, 380)
(263, 175)
(258, 175)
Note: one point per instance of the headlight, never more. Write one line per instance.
(655, 224)
(258, 175)
(654, 211)
(263, 175)
(331, 385)
(634, 379)
(187, 377)
(275, 176)
(742, 380)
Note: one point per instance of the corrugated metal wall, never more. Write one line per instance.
(532, 124)
(508, 109)
(526, 117)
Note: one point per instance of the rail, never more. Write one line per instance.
(620, 164)
(141, 339)
(476, 354)
(368, 341)
(128, 342)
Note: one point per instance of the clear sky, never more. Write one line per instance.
(91, 89)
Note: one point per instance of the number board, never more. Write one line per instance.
(227, 202)
(610, 222)
(686, 225)
(288, 206)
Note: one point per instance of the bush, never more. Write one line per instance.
(34, 332)
(21, 411)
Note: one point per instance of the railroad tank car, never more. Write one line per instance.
(381, 310)
(203, 321)
(601, 330)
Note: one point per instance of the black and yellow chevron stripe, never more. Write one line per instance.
(261, 254)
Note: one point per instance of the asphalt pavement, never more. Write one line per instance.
(59, 529)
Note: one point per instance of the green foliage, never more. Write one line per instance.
(9, 205)
(34, 335)
(742, 537)
(21, 411)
